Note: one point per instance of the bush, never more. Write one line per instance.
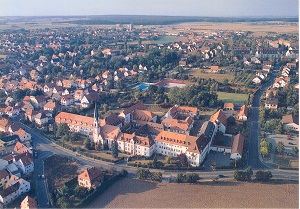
(187, 178)
(263, 176)
(243, 175)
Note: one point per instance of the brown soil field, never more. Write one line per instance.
(132, 193)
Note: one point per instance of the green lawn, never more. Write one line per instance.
(235, 98)
(165, 39)
(218, 77)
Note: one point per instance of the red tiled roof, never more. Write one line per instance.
(238, 143)
(220, 116)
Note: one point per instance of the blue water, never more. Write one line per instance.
(142, 86)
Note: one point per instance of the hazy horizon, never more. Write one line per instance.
(199, 8)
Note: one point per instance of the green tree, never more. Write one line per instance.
(295, 150)
(280, 147)
(63, 202)
(168, 159)
(182, 159)
(62, 129)
(114, 149)
(143, 173)
(225, 81)
(87, 143)
(105, 108)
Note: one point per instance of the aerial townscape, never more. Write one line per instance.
(115, 111)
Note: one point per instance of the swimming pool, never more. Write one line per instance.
(142, 86)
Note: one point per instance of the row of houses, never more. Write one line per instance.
(12, 167)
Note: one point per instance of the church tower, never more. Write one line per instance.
(96, 134)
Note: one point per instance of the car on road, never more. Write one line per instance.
(221, 176)
(43, 176)
(35, 154)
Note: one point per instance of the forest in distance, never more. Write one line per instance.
(146, 19)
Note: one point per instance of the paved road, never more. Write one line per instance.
(254, 128)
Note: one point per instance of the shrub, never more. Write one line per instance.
(263, 176)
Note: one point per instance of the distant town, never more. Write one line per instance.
(85, 106)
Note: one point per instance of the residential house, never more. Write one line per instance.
(49, 87)
(274, 92)
(256, 80)
(281, 82)
(219, 119)
(51, 106)
(228, 106)
(38, 101)
(30, 115)
(23, 185)
(12, 111)
(3, 164)
(290, 122)
(78, 95)
(41, 119)
(271, 103)
(24, 162)
(8, 140)
(4, 177)
(4, 124)
(88, 100)
(23, 135)
(58, 90)
(9, 194)
(20, 148)
(28, 203)
(67, 100)
(243, 114)
(91, 177)
(68, 83)
(13, 170)
(237, 147)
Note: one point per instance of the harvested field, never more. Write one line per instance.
(130, 193)
(258, 28)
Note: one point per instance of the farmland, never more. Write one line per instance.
(131, 193)
(232, 97)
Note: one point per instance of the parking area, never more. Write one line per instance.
(288, 141)
(216, 159)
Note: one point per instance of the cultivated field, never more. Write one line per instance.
(232, 97)
(258, 28)
(130, 193)
(218, 77)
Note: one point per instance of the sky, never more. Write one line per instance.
(211, 8)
